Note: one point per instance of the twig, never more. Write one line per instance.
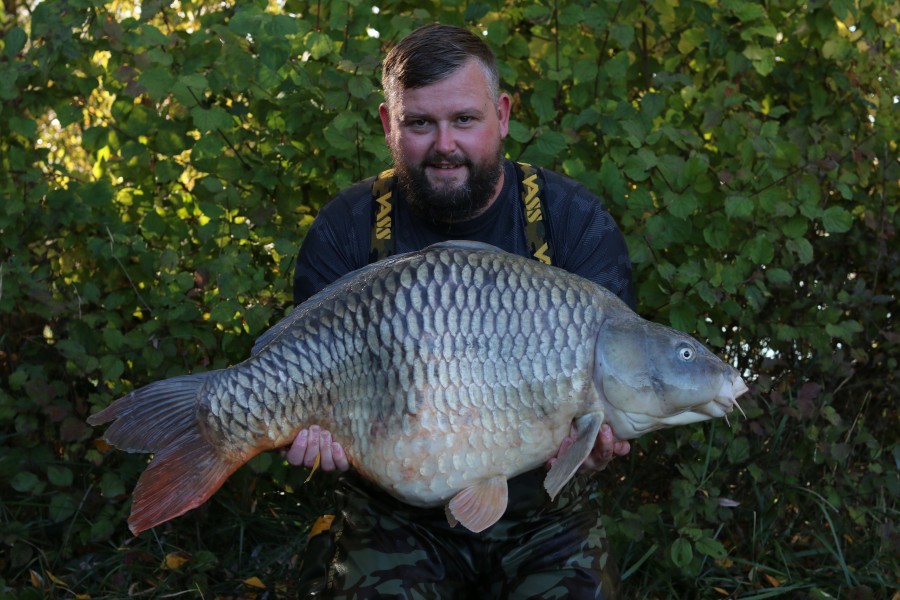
(112, 242)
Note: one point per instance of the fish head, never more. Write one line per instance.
(650, 376)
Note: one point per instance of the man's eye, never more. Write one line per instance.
(464, 120)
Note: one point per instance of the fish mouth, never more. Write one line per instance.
(726, 399)
(724, 403)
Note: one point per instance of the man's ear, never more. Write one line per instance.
(385, 121)
(504, 106)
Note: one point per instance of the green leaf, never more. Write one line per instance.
(476, 10)
(111, 367)
(282, 26)
(681, 205)
(62, 506)
(196, 82)
(111, 485)
(844, 330)
(682, 553)
(59, 476)
(778, 276)
(27, 128)
(18, 379)
(717, 234)
(261, 462)
(683, 318)
(761, 250)
(550, 143)
(151, 36)
(837, 220)
(763, 59)
(691, 39)
(795, 227)
(711, 548)
(542, 101)
(14, 41)
(24, 482)
(359, 86)
(616, 67)
(738, 207)
(158, 82)
(802, 248)
(212, 119)
(622, 33)
(319, 44)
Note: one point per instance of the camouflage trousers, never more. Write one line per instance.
(378, 547)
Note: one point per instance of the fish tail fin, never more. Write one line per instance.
(178, 479)
(187, 469)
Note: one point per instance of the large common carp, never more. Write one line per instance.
(442, 373)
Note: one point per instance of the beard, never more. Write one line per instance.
(446, 203)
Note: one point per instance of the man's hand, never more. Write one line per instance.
(606, 447)
(317, 441)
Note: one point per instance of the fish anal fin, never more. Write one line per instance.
(479, 506)
(180, 477)
(586, 427)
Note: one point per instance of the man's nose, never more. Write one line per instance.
(446, 141)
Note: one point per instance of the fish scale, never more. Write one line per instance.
(442, 373)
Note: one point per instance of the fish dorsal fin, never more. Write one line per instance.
(479, 506)
(586, 427)
(360, 277)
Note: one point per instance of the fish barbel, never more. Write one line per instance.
(442, 373)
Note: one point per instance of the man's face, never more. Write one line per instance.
(446, 141)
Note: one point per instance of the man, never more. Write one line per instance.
(444, 121)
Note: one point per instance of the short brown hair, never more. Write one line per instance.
(432, 53)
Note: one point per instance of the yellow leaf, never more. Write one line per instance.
(322, 524)
(255, 582)
(314, 467)
(175, 560)
(772, 581)
(56, 579)
(36, 579)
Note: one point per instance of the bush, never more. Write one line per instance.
(160, 164)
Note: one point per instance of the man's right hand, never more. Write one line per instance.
(314, 441)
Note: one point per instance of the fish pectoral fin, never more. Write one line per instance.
(586, 429)
(479, 506)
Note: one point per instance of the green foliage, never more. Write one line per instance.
(160, 164)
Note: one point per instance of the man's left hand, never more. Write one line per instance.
(606, 447)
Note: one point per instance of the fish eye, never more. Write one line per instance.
(686, 353)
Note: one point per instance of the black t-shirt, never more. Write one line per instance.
(585, 239)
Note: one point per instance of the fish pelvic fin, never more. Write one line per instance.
(187, 469)
(586, 427)
(479, 506)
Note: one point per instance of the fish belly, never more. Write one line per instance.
(437, 452)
